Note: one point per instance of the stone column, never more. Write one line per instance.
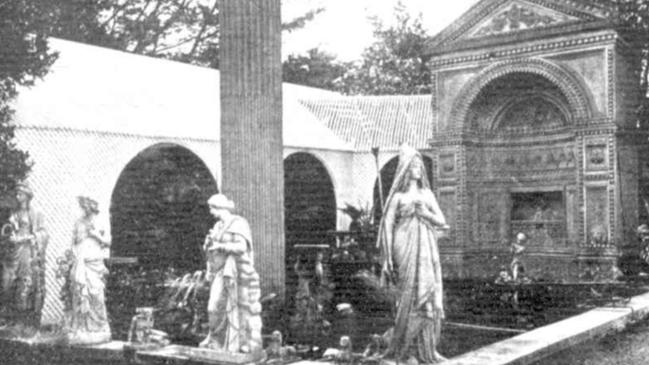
(251, 127)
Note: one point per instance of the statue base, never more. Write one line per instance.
(181, 354)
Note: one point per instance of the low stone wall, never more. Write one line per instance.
(566, 266)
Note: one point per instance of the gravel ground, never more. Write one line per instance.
(629, 347)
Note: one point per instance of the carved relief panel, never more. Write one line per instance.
(572, 210)
(482, 162)
(596, 155)
(488, 223)
(447, 165)
(448, 205)
(518, 17)
(597, 215)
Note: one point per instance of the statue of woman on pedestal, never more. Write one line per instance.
(410, 256)
(23, 263)
(86, 321)
(233, 308)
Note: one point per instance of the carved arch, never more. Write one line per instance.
(578, 96)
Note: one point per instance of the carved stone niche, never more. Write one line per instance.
(521, 160)
(540, 215)
(489, 223)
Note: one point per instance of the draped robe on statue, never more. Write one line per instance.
(234, 309)
(86, 320)
(23, 274)
(410, 240)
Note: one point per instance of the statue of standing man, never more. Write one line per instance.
(23, 262)
(233, 308)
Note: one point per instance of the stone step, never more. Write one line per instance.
(534, 345)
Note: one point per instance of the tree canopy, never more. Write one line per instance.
(394, 64)
(24, 57)
(633, 18)
(316, 69)
(182, 30)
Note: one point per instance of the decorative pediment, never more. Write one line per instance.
(516, 16)
(494, 18)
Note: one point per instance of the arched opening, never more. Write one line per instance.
(387, 178)
(521, 183)
(310, 210)
(519, 102)
(159, 216)
(158, 208)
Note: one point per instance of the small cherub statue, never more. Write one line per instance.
(517, 249)
(142, 334)
(345, 354)
(276, 348)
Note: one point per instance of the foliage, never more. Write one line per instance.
(633, 18)
(395, 63)
(185, 30)
(302, 20)
(182, 30)
(361, 217)
(316, 69)
(24, 57)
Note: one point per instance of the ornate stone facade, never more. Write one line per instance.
(532, 127)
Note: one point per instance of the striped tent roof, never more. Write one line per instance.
(383, 121)
(103, 90)
(98, 89)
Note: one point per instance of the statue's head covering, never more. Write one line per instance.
(220, 201)
(25, 189)
(407, 155)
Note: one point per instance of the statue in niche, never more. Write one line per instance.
(539, 214)
(410, 259)
(85, 320)
(23, 263)
(234, 309)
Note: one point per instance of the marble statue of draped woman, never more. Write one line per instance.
(408, 241)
